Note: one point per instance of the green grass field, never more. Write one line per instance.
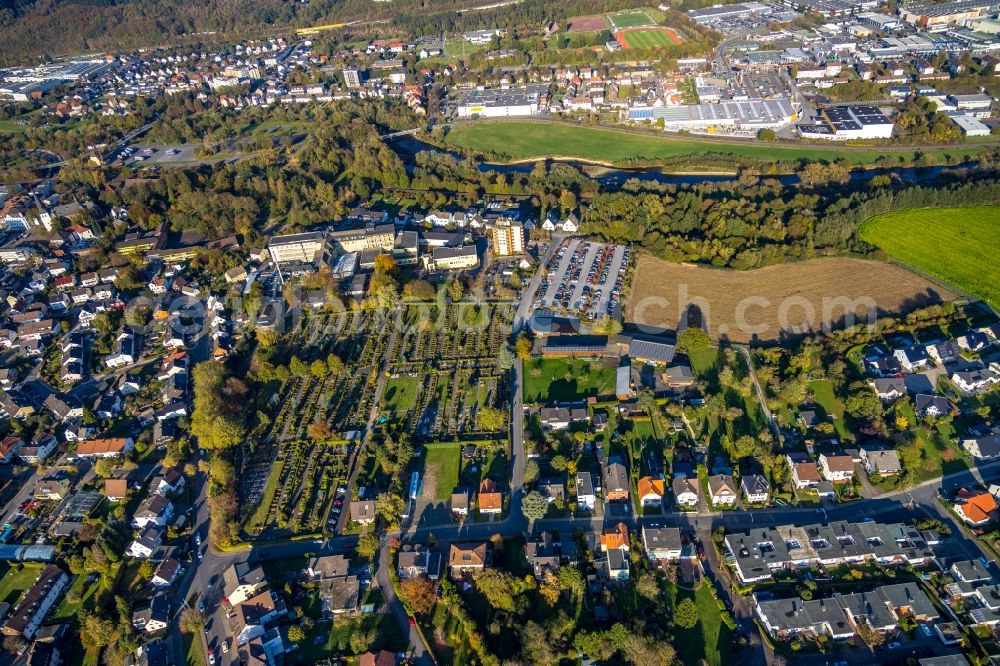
(551, 379)
(16, 579)
(11, 127)
(955, 245)
(443, 460)
(527, 140)
(647, 39)
(712, 638)
(631, 19)
(822, 390)
(400, 396)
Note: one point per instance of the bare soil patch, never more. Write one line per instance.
(775, 302)
(586, 24)
(429, 490)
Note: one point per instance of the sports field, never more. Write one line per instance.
(526, 140)
(766, 303)
(632, 19)
(587, 23)
(647, 38)
(955, 245)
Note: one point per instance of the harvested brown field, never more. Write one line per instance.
(587, 23)
(771, 303)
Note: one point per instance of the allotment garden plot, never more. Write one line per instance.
(443, 371)
(293, 463)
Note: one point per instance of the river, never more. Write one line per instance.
(407, 147)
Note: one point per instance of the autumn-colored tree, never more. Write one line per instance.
(419, 593)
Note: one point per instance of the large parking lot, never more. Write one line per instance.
(585, 278)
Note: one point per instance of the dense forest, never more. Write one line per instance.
(40, 29)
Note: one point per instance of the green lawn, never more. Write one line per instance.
(956, 245)
(192, 648)
(526, 140)
(552, 379)
(443, 460)
(648, 39)
(630, 19)
(711, 639)
(11, 127)
(822, 390)
(455, 649)
(75, 598)
(17, 578)
(387, 636)
(400, 397)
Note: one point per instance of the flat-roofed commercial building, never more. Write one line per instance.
(844, 123)
(451, 258)
(301, 248)
(944, 14)
(372, 237)
(750, 114)
(504, 102)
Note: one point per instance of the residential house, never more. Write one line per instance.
(144, 545)
(661, 542)
(889, 389)
(650, 491)
(552, 489)
(913, 358)
(686, 491)
(975, 380)
(250, 617)
(467, 558)
(490, 499)
(983, 448)
(838, 617)
(976, 508)
(166, 573)
(944, 352)
(380, 658)
(104, 448)
(9, 447)
(154, 617)
(618, 564)
(884, 462)
(154, 510)
(837, 469)
(171, 482)
(327, 566)
(419, 561)
(561, 417)
(585, 496)
(805, 473)
(616, 482)
(722, 490)
(460, 501)
(40, 448)
(973, 341)
(52, 490)
(542, 555)
(362, 511)
(339, 595)
(36, 603)
(755, 488)
(932, 406)
(614, 537)
(969, 571)
(240, 582)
